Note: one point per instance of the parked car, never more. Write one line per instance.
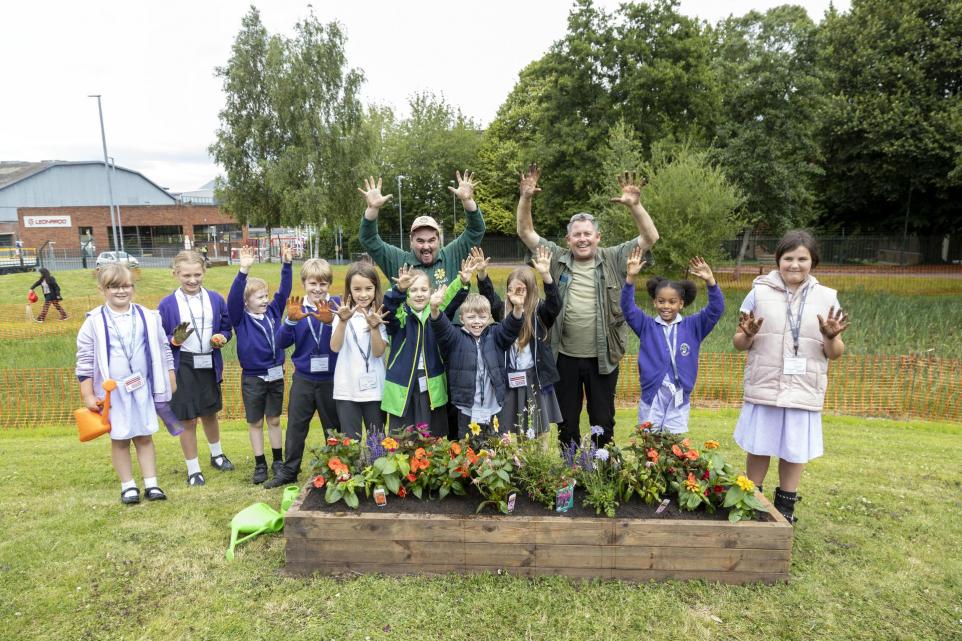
(106, 258)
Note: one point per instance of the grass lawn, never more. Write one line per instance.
(875, 557)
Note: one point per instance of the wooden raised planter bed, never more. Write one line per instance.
(627, 549)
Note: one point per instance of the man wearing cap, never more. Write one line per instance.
(589, 336)
(440, 263)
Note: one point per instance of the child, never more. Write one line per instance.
(308, 328)
(787, 368)
(360, 340)
(262, 362)
(530, 363)
(197, 327)
(416, 387)
(51, 294)
(475, 358)
(125, 342)
(668, 343)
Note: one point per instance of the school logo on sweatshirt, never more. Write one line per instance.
(685, 349)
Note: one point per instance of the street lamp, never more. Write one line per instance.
(454, 211)
(120, 222)
(110, 188)
(400, 213)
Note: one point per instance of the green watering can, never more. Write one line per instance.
(259, 518)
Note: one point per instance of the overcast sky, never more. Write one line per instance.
(153, 62)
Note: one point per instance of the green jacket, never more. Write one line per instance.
(444, 270)
(611, 331)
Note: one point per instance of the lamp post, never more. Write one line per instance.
(120, 223)
(454, 210)
(110, 188)
(400, 213)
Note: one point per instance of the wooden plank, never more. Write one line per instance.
(698, 534)
(388, 552)
(374, 527)
(721, 560)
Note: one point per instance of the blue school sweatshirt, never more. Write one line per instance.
(298, 334)
(253, 347)
(653, 359)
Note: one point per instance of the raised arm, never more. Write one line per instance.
(631, 198)
(528, 188)
(388, 257)
(474, 227)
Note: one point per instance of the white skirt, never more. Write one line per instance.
(793, 435)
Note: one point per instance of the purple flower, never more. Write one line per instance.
(569, 452)
(423, 429)
(374, 448)
(597, 430)
(602, 454)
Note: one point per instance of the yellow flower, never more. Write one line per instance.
(745, 483)
(474, 427)
(495, 424)
(389, 444)
(712, 445)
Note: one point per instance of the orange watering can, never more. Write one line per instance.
(90, 424)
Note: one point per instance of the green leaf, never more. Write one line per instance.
(392, 482)
(733, 496)
(504, 476)
(416, 491)
(351, 499)
(443, 491)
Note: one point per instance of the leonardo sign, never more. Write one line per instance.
(46, 221)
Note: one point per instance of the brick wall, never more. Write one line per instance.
(184, 216)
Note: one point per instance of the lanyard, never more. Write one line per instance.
(198, 329)
(367, 356)
(270, 336)
(796, 323)
(127, 350)
(671, 337)
(317, 334)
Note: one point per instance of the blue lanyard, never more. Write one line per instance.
(795, 324)
(270, 336)
(198, 329)
(671, 337)
(367, 356)
(104, 313)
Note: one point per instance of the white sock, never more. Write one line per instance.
(126, 485)
(215, 449)
(193, 466)
(150, 481)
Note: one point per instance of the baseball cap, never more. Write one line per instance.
(425, 221)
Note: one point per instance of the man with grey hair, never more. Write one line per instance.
(589, 336)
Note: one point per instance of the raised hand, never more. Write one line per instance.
(466, 185)
(374, 318)
(480, 262)
(468, 266)
(372, 193)
(287, 254)
(516, 299)
(437, 297)
(529, 181)
(217, 341)
(835, 324)
(405, 276)
(181, 334)
(246, 257)
(700, 268)
(749, 324)
(541, 261)
(344, 312)
(635, 263)
(294, 310)
(324, 313)
(631, 185)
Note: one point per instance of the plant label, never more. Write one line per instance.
(664, 506)
(565, 498)
(511, 500)
(380, 498)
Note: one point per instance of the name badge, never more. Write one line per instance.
(679, 397)
(423, 383)
(517, 379)
(134, 382)
(319, 363)
(366, 382)
(421, 362)
(203, 361)
(794, 366)
(275, 373)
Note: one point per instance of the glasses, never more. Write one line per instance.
(120, 288)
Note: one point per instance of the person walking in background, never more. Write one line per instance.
(51, 294)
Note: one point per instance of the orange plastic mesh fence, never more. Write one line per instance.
(883, 386)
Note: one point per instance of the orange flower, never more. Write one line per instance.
(691, 484)
(420, 453)
(346, 442)
(337, 466)
(402, 492)
(389, 444)
(686, 442)
(462, 471)
(331, 441)
(319, 481)
(455, 449)
(411, 478)
(676, 451)
(691, 455)
(712, 445)
(653, 455)
(472, 457)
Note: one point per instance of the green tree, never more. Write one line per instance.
(892, 130)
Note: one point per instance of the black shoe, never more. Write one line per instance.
(130, 496)
(196, 479)
(278, 481)
(221, 463)
(260, 473)
(277, 469)
(785, 503)
(155, 494)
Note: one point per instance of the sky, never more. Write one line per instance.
(153, 63)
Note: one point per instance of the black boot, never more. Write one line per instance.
(785, 503)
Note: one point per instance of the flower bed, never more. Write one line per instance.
(743, 539)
